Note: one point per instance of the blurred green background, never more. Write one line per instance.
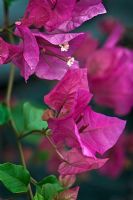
(93, 186)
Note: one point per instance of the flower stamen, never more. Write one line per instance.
(70, 61)
(64, 47)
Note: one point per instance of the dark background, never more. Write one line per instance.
(93, 186)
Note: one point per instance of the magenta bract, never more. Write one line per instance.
(70, 194)
(63, 97)
(4, 51)
(77, 163)
(47, 56)
(116, 72)
(61, 15)
(115, 165)
(75, 124)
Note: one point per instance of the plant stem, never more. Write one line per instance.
(9, 93)
(12, 68)
(33, 181)
(42, 132)
(6, 14)
(21, 153)
(24, 164)
(29, 133)
(56, 150)
(10, 85)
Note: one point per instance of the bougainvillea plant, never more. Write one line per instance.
(77, 137)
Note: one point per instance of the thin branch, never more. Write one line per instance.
(10, 85)
(24, 164)
(43, 132)
(9, 93)
(56, 150)
(6, 14)
(33, 181)
(28, 133)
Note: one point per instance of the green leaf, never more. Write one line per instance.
(18, 117)
(28, 118)
(48, 188)
(4, 116)
(49, 179)
(14, 177)
(33, 139)
(33, 117)
(38, 197)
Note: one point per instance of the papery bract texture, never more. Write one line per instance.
(37, 13)
(77, 163)
(61, 15)
(83, 11)
(68, 180)
(62, 98)
(102, 131)
(4, 51)
(28, 57)
(90, 131)
(115, 165)
(47, 56)
(8, 51)
(56, 54)
(47, 13)
(75, 124)
(70, 194)
(120, 157)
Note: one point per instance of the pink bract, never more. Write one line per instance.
(8, 51)
(90, 132)
(84, 10)
(67, 181)
(75, 124)
(115, 165)
(70, 194)
(4, 51)
(28, 57)
(61, 15)
(116, 72)
(54, 60)
(63, 97)
(119, 157)
(47, 56)
(77, 163)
